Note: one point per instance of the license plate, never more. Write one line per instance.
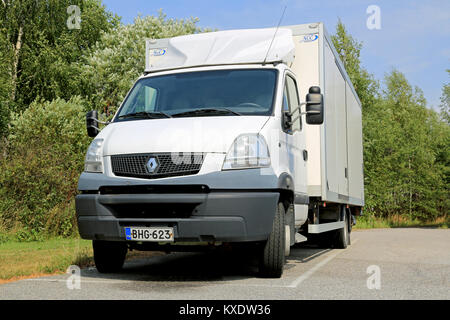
(158, 234)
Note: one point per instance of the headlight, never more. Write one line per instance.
(247, 151)
(93, 161)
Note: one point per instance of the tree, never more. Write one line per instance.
(445, 102)
(443, 155)
(5, 85)
(418, 180)
(40, 47)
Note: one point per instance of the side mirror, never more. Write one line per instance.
(92, 123)
(314, 106)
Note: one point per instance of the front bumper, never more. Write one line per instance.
(211, 215)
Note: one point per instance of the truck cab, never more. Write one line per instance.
(208, 148)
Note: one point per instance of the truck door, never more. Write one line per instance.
(294, 147)
(295, 139)
(336, 126)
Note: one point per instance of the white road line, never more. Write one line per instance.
(310, 272)
(253, 285)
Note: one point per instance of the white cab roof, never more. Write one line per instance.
(245, 46)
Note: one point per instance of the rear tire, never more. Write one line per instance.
(109, 256)
(342, 239)
(349, 226)
(272, 256)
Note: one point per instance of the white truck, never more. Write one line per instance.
(242, 137)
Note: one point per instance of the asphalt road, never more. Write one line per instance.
(413, 263)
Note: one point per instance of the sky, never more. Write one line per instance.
(414, 36)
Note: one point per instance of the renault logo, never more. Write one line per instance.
(152, 165)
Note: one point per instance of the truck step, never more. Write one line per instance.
(324, 227)
(300, 238)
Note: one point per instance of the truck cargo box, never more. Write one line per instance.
(335, 164)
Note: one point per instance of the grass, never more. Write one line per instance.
(397, 221)
(36, 258)
(21, 260)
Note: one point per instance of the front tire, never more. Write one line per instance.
(272, 256)
(109, 256)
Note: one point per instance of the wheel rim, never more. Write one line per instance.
(287, 244)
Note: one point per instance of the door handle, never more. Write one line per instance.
(305, 154)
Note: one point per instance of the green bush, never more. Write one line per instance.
(40, 167)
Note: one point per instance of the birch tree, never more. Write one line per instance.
(40, 47)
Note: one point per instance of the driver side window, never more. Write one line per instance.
(145, 100)
(294, 102)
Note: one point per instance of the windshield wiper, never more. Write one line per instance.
(149, 115)
(206, 111)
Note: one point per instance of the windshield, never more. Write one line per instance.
(202, 93)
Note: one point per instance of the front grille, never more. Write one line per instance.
(152, 210)
(161, 165)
